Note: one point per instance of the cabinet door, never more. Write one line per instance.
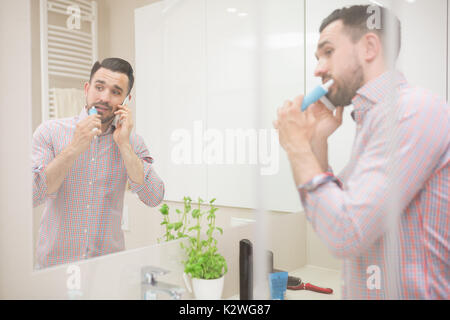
(255, 63)
(171, 92)
(423, 56)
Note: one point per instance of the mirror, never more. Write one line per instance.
(72, 36)
(210, 75)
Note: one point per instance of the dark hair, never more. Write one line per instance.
(116, 65)
(355, 19)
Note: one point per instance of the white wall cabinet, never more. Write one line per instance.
(218, 73)
(171, 90)
(254, 63)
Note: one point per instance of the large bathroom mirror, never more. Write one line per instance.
(209, 77)
(67, 38)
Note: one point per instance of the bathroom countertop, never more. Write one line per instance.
(321, 277)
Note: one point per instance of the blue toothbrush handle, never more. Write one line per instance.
(313, 96)
(92, 111)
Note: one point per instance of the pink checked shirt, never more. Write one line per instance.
(399, 164)
(83, 218)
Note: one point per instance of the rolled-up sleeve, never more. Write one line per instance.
(151, 192)
(42, 154)
(393, 168)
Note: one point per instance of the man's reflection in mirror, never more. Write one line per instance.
(81, 166)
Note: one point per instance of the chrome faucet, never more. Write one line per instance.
(149, 285)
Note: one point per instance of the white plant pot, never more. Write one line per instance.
(204, 289)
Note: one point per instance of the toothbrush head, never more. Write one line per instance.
(327, 85)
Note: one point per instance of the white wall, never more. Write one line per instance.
(423, 57)
(15, 138)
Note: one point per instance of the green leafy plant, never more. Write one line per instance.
(203, 259)
(177, 229)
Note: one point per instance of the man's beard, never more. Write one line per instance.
(103, 118)
(347, 87)
(107, 120)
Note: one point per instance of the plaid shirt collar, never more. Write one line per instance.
(374, 92)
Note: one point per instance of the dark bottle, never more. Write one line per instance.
(245, 270)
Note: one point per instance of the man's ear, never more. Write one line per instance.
(86, 88)
(371, 46)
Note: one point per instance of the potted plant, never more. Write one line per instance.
(204, 267)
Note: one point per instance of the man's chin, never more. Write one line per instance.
(107, 120)
(340, 101)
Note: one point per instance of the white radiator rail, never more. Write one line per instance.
(67, 51)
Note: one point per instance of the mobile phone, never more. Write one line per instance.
(116, 118)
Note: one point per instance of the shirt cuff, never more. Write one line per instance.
(135, 187)
(319, 180)
(40, 181)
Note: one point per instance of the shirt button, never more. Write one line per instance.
(93, 159)
(84, 256)
(85, 230)
(87, 206)
(90, 183)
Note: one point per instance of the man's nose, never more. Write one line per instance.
(321, 69)
(105, 96)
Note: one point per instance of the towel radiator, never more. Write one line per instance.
(69, 45)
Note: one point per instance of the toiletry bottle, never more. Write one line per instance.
(245, 270)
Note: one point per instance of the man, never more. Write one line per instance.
(81, 166)
(387, 213)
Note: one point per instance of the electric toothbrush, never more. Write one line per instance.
(92, 111)
(319, 94)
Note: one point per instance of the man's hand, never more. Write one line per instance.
(59, 167)
(85, 132)
(303, 135)
(134, 165)
(297, 128)
(327, 121)
(124, 125)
